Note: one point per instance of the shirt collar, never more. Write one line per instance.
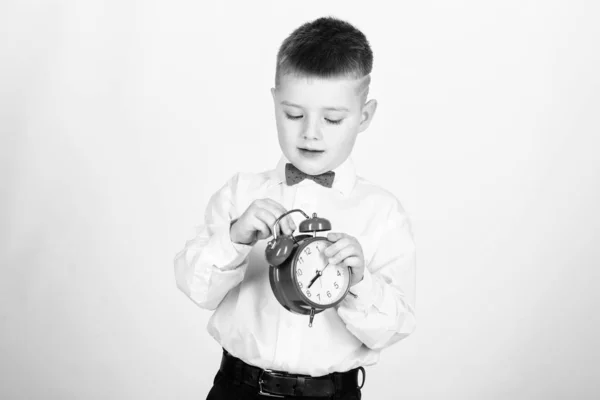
(345, 175)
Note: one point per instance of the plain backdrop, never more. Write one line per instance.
(119, 119)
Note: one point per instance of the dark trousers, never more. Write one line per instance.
(224, 388)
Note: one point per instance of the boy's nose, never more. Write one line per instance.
(312, 130)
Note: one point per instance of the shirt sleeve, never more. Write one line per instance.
(382, 310)
(210, 264)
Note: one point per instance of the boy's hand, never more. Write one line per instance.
(346, 249)
(258, 220)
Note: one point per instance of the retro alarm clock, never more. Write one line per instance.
(301, 278)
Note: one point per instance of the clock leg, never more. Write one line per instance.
(312, 316)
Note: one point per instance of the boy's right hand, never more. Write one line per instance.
(258, 220)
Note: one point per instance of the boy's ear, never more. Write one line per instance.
(368, 111)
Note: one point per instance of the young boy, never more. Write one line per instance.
(320, 96)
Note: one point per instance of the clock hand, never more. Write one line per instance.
(317, 276)
(314, 279)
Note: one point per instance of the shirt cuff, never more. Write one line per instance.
(232, 255)
(362, 295)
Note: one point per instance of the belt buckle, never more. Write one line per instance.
(260, 384)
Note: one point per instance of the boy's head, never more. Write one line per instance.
(321, 86)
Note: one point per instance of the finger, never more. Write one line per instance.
(264, 217)
(333, 248)
(276, 208)
(353, 262)
(337, 246)
(274, 204)
(286, 224)
(262, 229)
(344, 253)
(291, 223)
(335, 236)
(357, 272)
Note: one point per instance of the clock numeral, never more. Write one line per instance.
(328, 293)
(338, 273)
(319, 296)
(300, 261)
(300, 285)
(307, 251)
(299, 272)
(335, 284)
(308, 293)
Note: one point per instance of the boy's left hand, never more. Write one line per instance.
(346, 249)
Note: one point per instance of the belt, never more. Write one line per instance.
(280, 384)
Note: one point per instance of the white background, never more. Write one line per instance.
(119, 119)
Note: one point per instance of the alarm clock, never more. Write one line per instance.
(301, 278)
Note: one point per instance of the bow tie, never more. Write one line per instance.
(293, 176)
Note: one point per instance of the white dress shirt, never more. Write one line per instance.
(232, 279)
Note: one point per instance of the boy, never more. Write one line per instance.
(321, 87)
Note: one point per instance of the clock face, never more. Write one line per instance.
(321, 283)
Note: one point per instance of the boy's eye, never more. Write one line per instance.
(334, 121)
(292, 117)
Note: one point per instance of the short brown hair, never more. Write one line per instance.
(326, 47)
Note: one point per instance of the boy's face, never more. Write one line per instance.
(318, 119)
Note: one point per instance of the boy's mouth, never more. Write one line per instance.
(310, 153)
